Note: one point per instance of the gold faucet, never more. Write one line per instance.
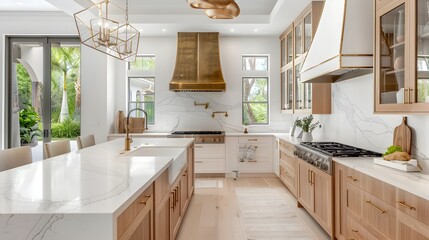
(128, 139)
(214, 113)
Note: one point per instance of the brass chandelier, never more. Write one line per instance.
(102, 31)
(217, 9)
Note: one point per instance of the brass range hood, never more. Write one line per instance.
(198, 63)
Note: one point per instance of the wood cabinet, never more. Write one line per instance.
(373, 209)
(175, 208)
(136, 222)
(297, 97)
(401, 60)
(315, 194)
(287, 166)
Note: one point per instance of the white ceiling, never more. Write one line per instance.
(26, 5)
(167, 17)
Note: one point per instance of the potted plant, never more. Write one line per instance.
(28, 126)
(307, 126)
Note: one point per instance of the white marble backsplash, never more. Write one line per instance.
(353, 120)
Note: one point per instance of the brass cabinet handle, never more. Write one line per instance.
(198, 161)
(252, 140)
(308, 176)
(144, 202)
(377, 208)
(172, 203)
(178, 196)
(313, 177)
(402, 203)
(185, 173)
(198, 146)
(356, 232)
(352, 178)
(406, 94)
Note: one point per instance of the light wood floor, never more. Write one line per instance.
(263, 209)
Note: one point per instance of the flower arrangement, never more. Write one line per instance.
(306, 124)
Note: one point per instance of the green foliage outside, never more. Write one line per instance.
(67, 129)
(255, 101)
(28, 125)
(24, 86)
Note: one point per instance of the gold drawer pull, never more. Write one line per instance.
(252, 140)
(402, 203)
(185, 173)
(147, 199)
(378, 209)
(356, 232)
(198, 161)
(198, 146)
(352, 178)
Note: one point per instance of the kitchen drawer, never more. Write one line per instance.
(254, 140)
(290, 160)
(408, 227)
(380, 215)
(125, 219)
(209, 151)
(260, 166)
(377, 188)
(289, 147)
(210, 165)
(288, 177)
(357, 231)
(412, 205)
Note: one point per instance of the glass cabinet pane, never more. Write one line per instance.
(392, 62)
(289, 47)
(307, 96)
(289, 89)
(298, 40)
(422, 83)
(308, 32)
(299, 88)
(282, 51)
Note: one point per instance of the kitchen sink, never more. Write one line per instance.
(179, 156)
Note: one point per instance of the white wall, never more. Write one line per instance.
(353, 122)
(176, 111)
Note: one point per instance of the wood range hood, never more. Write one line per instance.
(198, 66)
(343, 43)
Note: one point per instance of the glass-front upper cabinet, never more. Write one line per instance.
(289, 89)
(299, 88)
(402, 57)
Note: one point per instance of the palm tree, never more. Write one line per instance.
(65, 60)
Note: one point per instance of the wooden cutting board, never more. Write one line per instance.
(402, 136)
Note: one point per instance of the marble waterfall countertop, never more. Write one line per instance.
(80, 194)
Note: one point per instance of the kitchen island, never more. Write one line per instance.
(81, 195)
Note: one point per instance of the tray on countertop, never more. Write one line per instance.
(406, 166)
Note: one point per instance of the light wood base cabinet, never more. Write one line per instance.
(315, 195)
(288, 166)
(137, 221)
(371, 209)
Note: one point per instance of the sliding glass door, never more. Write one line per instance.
(43, 91)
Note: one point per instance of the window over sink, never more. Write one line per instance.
(141, 86)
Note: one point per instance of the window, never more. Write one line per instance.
(141, 87)
(255, 101)
(255, 63)
(255, 109)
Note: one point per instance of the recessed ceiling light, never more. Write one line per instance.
(255, 30)
(231, 30)
(164, 29)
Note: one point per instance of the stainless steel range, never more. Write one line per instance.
(200, 136)
(319, 154)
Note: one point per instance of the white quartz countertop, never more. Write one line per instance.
(99, 179)
(412, 182)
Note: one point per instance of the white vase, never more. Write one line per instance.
(307, 137)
